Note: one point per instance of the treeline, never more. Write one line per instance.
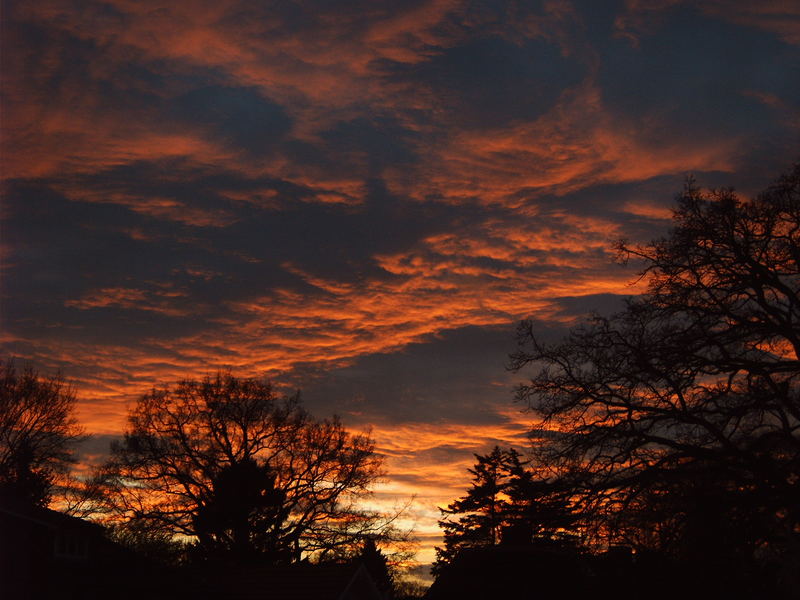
(221, 471)
(670, 430)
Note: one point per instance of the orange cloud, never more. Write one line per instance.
(521, 249)
(575, 145)
(130, 298)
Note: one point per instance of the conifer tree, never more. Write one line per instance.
(507, 503)
(481, 512)
(537, 512)
(377, 565)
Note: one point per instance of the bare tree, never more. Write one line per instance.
(226, 462)
(697, 380)
(37, 434)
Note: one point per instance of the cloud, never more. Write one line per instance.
(240, 117)
(360, 198)
(775, 16)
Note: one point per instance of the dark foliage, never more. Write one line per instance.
(676, 423)
(377, 565)
(513, 572)
(244, 473)
(506, 504)
(37, 433)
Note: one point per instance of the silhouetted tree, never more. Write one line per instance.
(537, 511)
(409, 589)
(697, 379)
(481, 513)
(37, 434)
(155, 545)
(243, 472)
(507, 503)
(378, 566)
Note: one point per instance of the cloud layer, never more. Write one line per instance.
(360, 198)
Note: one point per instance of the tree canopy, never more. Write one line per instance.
(686, 404)
(506, 503)
(38, 431)
(244, 472)
(482, 512)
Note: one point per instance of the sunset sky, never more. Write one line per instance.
(360, 199)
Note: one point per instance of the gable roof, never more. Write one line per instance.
(50, 519)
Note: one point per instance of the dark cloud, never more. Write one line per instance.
(378, 142)
(359, 199)
(96, 447)
(490, 81)
(580, 306)
(458, 376)
(699, 77)
(240, 117)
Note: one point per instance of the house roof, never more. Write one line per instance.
(51, 519)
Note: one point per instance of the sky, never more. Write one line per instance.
(360, 199)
